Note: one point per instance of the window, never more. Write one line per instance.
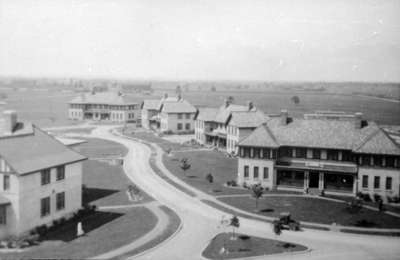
(301, 153)
(179, 116)
(377, 180)
(388, 183)
(3, 215)
(366, 160)
(266, 153)
(187, 116)
(60, 173)
(257, 152)
(285, 152)
(60, 200)
(266, 174)
(6, 182)
(45, 206)
(187, 126)
(255, 174)
(365, 181)
(378, 161)
(179, 126)
(333, 155)
(45, 176)
(246, 171)
(316, 154)
(389, 161)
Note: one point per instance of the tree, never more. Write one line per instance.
(257, 191)
(234, 223)
(178, 90)
(277, 228)
(210, 178)
(231, 99)
(185, 165)
(295, 100)
(213, 89)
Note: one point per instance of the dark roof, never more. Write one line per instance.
(180, 106)
(38, 150)
(225, 111)
(151, 104)
(323, 133)
(106, 98)
(249, 119)
(207, 114)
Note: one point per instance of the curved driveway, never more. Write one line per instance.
(201, 222)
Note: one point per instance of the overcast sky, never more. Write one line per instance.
(312, 40)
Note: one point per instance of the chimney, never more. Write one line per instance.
(358, 120)
(226, 102)
(284, 117)
(8, 122)
(179, 96)
(250, 105)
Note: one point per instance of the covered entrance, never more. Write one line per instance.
(313, 180)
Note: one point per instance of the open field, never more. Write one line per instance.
(49, 108)
(313, 210)
(247, 246)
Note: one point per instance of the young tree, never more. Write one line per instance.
(257, 191)
(296, 100)
(210, 178)
(185, 165)
(234, 223)
(231, 99)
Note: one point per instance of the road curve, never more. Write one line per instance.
(201, 222)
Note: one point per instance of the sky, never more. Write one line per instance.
(269, 40)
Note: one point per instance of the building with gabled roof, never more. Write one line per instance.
(225, 126)
(104, 106)
(168, 115)
(331, 153)
(40, 178)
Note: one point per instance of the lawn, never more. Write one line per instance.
(105, 231)
(313, 210)
(247, 246)
(100, 148)
(218, 164)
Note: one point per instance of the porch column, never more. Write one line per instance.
(306, 177)
(274, 179)
(355, 185)
(321, 181)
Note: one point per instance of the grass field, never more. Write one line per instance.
(99, 148)
(247, 246)
(50, 108)
(313, 210)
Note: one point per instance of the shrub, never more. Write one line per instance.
(42, 230)
(232, 183)
(377, 197)
(394, 199)
(364, 223)
(63, 221)
(210, 178)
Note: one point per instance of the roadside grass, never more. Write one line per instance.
(107, 231)
(314, 210)
(247, 246)
(100, 148)
(83, 130)
(173, 225)
(202, 163)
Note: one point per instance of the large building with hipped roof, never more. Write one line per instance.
(40, 178)
(225, 126)
(326, 152)
(104, 106)
(169, 115)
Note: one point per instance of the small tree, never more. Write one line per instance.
(210, 178)
(257, 191)
(296, 100)
(185, 165)
(231, 99)
(234, 223)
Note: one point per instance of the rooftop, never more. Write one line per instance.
(179, 106)
(151, 104)
(107, 98)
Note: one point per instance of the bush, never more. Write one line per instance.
(232, 183)
(364, 196)
(377, 197)
(394, 199)
(210, 178)
(42, 230)
(364, 223)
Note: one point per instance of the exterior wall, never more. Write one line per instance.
(145, 117)
(169, 122)
(199, 130)
(269, 183)
(26, 193)
(126, 114)
(12, 209)
(371, 172)
(75, 113)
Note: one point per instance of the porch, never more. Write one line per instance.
(216, 139)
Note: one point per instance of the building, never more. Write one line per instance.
(104, 106)
(225, 127)
(40, 178)
(169, 115)
(324, 152)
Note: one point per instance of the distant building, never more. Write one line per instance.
(170, 114)
(105, 106)
(136, 88)
(225, 127)
(324, 152)
(40, 178)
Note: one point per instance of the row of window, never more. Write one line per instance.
(6, 182)
(261, 153)
(45, 204)
(246, 172)
(180, 126)
(46, 175)
(76, 114)
(298, 152)
(187, 115)
(232, 130)
(100, 106)
(377, 182)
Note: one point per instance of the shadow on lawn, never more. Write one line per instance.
(67, 232)
(92, 194)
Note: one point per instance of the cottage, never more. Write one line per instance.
(40, 178)
(323, 152)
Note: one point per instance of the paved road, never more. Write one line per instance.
(200, 221)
